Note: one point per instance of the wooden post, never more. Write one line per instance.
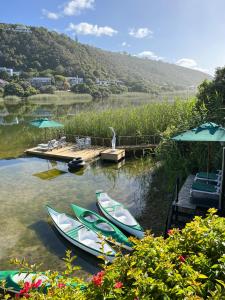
(222, 194)
(177, 198)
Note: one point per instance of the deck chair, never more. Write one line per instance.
(203, 190)
(87, 142)
(44, 147)
(62, 141)
(204, 176)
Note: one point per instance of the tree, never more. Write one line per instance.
(30, 90)
(60, 70)
(4, 75)
(212, 95)
(82, 88)
(59, 81)
(47, 89)
(13, 89)
(66, 85)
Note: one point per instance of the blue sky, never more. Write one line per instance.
(187, 32)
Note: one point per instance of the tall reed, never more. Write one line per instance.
(147, 119)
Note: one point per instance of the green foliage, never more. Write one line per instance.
(4, 75)
(147, 119)
(13, 89)
(47, 89)
(1, 91)
(212, 95)
(82, 88)
(189, 264)
(48, 53)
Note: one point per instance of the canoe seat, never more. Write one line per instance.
(73, 233)
(112, 208)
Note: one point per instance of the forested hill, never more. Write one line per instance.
(40, 50)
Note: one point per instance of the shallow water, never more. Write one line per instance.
(26, 230)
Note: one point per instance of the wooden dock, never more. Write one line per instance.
(68, 153)
(113, 155)
(185, 203)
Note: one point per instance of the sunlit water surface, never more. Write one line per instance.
(26, 230)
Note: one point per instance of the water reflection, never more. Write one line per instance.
(25, 229)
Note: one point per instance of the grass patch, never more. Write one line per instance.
(12, 99)
(59, 98)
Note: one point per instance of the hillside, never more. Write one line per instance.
(40, 49)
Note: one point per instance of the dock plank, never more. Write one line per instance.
(68, 153)
(185, 203)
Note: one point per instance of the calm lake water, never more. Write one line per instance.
(26, 230)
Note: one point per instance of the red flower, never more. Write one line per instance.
(182, 258)
(61, 285)
(98, 278)
(36, 284)
(170, 232)
(118, 285)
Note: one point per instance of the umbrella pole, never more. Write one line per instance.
(209, 157)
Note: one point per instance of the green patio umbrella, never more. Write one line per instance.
(208, 132)
(46, 123)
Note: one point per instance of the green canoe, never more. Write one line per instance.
(14, 280)
(101, 225)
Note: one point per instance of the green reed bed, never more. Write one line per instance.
(147, 119)
(59, 97)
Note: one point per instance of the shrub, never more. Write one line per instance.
(189, 264)
(47, 89)
(13, 89)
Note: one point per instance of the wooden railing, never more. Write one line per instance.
(120, 140)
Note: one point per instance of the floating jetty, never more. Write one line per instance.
(113, 155)
(68, 153)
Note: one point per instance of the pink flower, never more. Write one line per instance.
(61, 285)
(118, 285)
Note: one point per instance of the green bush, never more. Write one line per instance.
(13, 89)
(47, 89)
(189, 264)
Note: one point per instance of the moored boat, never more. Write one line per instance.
(118, 214)
(102, 226)
(76, 164)
(15, 280)
(80, 236)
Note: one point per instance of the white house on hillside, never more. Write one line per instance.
(8, 70)
(75, 80)
(41, 81)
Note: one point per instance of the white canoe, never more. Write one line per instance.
(118, 214)
(80, 236)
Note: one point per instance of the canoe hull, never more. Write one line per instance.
(80, 245)
(77, 211)
(139, 234)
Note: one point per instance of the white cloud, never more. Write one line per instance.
(149, 55)
(74, 7)
(71, 8)
(50, 15)
(191, 64)
(125, 44)
(140, 33)
(90, 29)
